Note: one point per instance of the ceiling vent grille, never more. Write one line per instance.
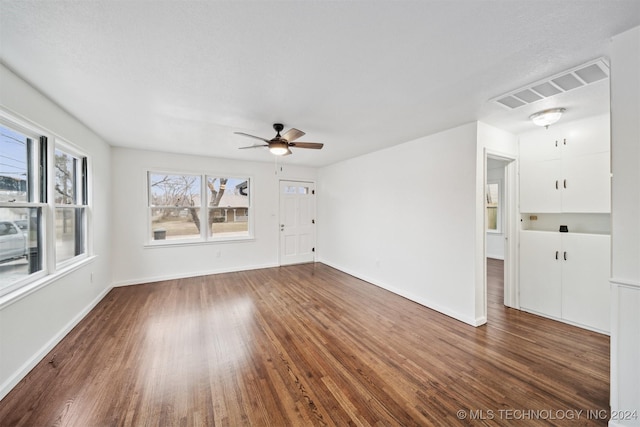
(574, 78)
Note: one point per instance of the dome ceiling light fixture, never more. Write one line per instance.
(547, 117)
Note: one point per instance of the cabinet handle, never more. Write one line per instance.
(565, 255)
(556, 142)
(565, 183)
(564, 141)
(557, 253)
(556, 184)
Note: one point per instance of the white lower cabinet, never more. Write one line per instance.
(566, 276)
(541, 273)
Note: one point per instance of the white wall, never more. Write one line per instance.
(32, 325)
(133, 262)
(404, 218)
(625, 227)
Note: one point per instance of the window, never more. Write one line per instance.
(30, 246)
(70, 205)
(228, 207)
(20, 207)
(174, 206)
(493, 207)
(188, 207)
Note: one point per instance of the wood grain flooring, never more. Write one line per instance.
(309, 345)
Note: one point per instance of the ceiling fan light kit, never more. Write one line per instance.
(547, 117)
(279, 148)
(281, 145)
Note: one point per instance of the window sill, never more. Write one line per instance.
(34, 286)
(196, 242)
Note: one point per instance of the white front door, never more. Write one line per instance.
(297, 222)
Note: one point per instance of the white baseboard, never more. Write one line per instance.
(17, 376)
(568, 322)
(422, 301)
(153, 279)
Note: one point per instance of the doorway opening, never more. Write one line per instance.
(500, 231)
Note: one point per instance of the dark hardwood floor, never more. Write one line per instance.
(309, 345)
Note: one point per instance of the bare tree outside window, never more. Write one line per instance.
(65, 168)
(176, 206)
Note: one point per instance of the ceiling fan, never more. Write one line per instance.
(280, 145)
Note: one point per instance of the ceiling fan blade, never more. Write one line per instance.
(287, 153)
(253, 146)
(292, 134)
(314, 145)
(251, 136)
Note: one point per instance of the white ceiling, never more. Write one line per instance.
(182, 76)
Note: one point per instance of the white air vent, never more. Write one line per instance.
(574, 78)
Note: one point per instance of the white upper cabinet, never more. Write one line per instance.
(539, 186)
(586, 183)
(541, 145)
(566, 168)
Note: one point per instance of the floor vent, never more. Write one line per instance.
(574, 78)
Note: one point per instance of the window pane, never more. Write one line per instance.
(69, 233)
(229, 222)
(175, 223)
(493, 191)
(20, 248)
(174, 202)
(228, 206)
(14, 165)
(174, 190)
(66, 178)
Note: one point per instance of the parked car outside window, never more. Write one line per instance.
(13, 241)
(22, 225)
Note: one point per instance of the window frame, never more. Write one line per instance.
(205, 236)
(41, 190)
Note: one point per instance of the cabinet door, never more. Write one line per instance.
(540, 273)
(540, 145)
(587, 136)
(540, 186)
(585, 280)
(586, 183)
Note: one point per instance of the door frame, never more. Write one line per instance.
(315, 207)
(510, 227)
